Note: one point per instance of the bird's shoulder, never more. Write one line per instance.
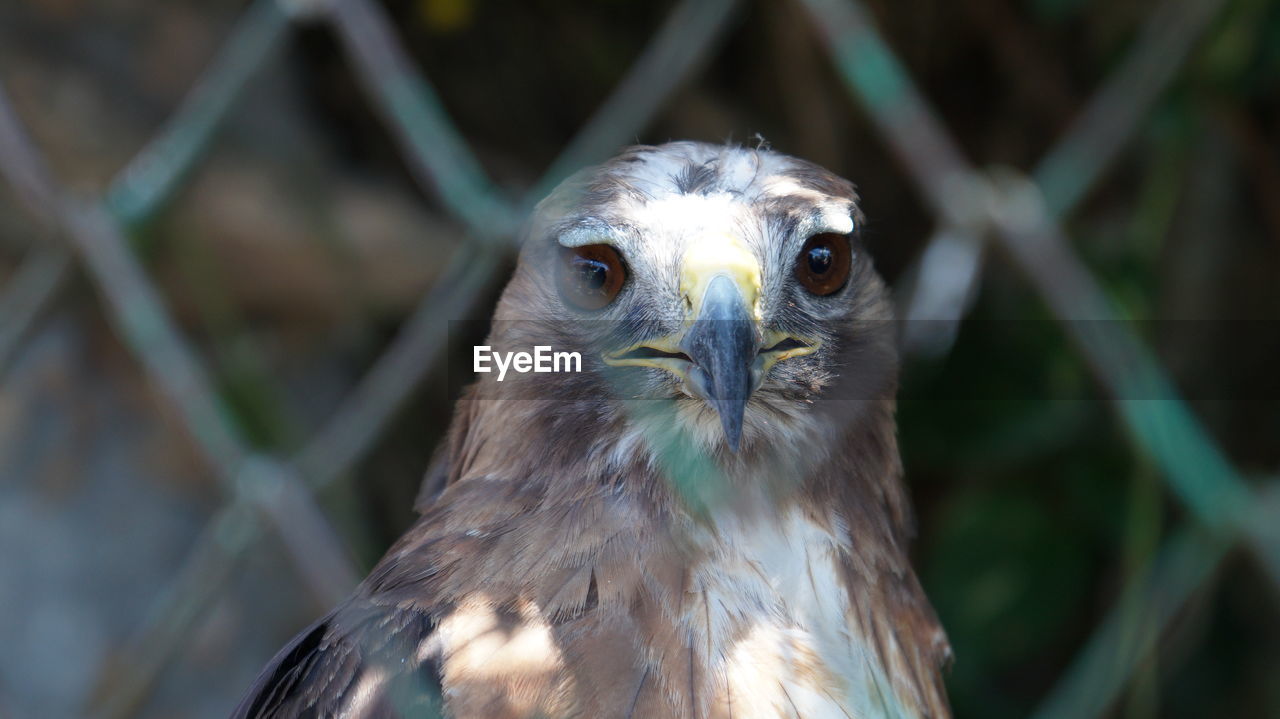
(474, 567)
(362, 659)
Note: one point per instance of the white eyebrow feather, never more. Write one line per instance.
(826, 219)
(593, 233)
(830, 214)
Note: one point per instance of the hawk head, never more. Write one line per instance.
(727, 283)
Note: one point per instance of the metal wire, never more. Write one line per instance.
(1022, 213)
(160, 168)
(946, 277)
(1016, 211)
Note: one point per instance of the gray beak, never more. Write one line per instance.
(723, 344)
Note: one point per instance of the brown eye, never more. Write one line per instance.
(591, 276)
(823, 264)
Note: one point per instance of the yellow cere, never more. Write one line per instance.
(712, 255)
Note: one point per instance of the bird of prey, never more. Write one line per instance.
(707, 520)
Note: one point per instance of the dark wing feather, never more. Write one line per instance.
(369, 661)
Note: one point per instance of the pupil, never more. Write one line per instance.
(820, 260)
(591, 274)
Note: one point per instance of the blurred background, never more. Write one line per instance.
(222, 216)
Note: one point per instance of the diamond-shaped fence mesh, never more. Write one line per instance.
(271, 498)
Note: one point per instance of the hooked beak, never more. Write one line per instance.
(722, 354)
(723, 344)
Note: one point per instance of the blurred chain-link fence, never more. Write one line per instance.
(271, 498)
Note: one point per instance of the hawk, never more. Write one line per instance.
(707, 520)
